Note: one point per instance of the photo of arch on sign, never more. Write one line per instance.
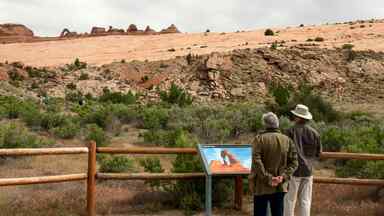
(226, 159)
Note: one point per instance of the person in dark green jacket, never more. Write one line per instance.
(273, 162)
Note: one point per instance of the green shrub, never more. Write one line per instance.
(170, 138)
(154, 117)
(95, 133)
(74, 96)
(126, 114)
(84, 76)
(269, 32)
(71, 86)
(152, 165)
(13, 135)
(116, 164)
(309, 40)
(319, 39)
(15, 75)
(274, 46)
(347, 46)
(76, 65)
(176, 95)
(118, 97)
(67, 131)
(99, 115)
(51, 120)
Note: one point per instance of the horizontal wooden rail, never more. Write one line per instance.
(149, 176)
(42, 179)
(42, 151)
(349, 181)
(351, 156)
(155, 150)
(176, 176)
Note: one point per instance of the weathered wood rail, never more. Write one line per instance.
(92, 175)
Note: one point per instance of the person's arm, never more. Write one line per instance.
(258, 168)
(292, 162)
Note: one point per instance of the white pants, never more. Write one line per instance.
(300, 189)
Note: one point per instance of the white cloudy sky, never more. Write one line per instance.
(49, 17)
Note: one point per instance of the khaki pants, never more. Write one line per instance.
(300, 189)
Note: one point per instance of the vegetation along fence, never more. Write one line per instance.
(93, 175)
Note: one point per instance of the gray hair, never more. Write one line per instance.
(270, 120)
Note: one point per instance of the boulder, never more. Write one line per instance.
(3, 74)
(217, 62)
(15, 30)
(98, 30)
(171, 29)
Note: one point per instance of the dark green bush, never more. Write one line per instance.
(154, 117)
(319, 39)
(118, 97)
(170, 138)
(152, 165)
(84, 76)
(15, 75)
(68, 130)
(116, 164)
(176, 95)
(269, 32)
(51, 120)
(347, 46)
(95, 133)
(13, 135)
(76, 65)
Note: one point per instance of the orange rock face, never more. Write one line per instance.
(15, 30)
(217, 167)
(171, 29)
(3, 74)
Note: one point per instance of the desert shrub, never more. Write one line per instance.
(68, 130)
(95, 133)
(286, 98)
(52, 120)
(71, 86)
(99, 115)
(319, 39)
(176, 95)
(126, 114)
(14, 75)
(117, 97)
(170, 138)
(84, 76)
(16, 108)
(74, 96)
(274, 46)
(347, 46)
(152, 165)
(154, 117)
(76, 65)
(13, 135)
(116, 164)
(309, 40)
(269, 32)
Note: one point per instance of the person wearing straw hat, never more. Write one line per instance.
(308, 147)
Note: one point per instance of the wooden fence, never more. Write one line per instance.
(92, 175)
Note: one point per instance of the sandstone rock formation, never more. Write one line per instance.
(148, 30)
(98, 30)
(67, 33)
(171, 29)
(15, 30)
(132, 28)
(112, 30)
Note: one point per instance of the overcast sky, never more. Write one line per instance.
(49, 17)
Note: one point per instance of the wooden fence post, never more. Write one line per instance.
(238, 192)
(91, 183)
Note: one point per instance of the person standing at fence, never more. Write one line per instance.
(308, 146)
(273, 162)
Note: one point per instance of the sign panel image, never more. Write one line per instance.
(226, 159)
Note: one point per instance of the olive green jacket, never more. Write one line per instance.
(273, 154)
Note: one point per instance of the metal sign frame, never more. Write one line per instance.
(209, 174)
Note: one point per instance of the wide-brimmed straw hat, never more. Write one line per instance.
(302, 111)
